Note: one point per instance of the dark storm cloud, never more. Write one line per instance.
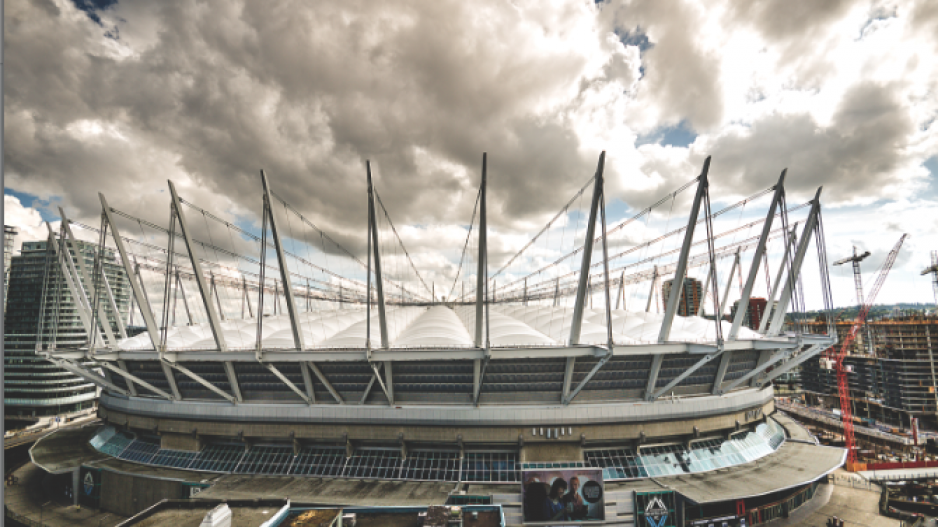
(208, 93)
(218, 91)
(852, 157)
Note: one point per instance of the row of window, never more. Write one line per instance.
(387, 463)
(365, 463)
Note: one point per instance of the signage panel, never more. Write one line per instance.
(563, 497)
(655, 509)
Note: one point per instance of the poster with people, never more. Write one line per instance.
(553, 496)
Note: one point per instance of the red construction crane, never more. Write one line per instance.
(858, 284)
(843, 387)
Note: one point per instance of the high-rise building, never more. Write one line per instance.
(691, 296)
(893, 381)
(755, 311)
(9, 243)
(35, 387)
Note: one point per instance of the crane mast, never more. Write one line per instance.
(858, 284)
(843, 387)
(933, 270)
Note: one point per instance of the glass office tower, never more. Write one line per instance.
(34, 386)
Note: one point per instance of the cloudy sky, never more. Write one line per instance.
(121, 96)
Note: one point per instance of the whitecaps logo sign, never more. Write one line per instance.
(656, 513)
(88, 483)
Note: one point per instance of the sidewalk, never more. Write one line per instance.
(26, 497)
(857, 507)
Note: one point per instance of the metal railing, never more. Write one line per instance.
(831, 420)
(905, 476)
(854, 482)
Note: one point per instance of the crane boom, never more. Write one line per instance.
(843, 387)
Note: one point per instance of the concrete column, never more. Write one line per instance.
(76, 485)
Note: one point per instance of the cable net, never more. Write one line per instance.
(211, 282)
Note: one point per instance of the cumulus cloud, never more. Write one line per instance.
(859, 156)
(121, 96)
(27, 220)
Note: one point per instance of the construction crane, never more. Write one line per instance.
(843, 387)
(934, 272)
(857, 279)
(858, 283)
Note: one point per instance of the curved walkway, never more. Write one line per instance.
(28, 499)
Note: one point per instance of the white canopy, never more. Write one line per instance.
(440, 327)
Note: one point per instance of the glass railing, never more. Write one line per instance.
(677, 459)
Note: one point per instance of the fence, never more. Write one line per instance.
(835, 422)
(905, 476)
(854, 482)
(781, 509)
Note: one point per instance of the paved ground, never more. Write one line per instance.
(858, 508)
(27, 498)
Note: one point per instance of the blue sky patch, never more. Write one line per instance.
(28, 200)
(932, 165)
(91, 7)
(681, 135)
(635, 37)
(616, 211)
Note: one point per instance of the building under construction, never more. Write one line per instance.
(891, 368)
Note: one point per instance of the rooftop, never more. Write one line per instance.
(792, 465)
(330, 491)
(189, 513)
(283, 513)
(65, 450)
(441, 327)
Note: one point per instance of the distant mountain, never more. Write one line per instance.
(879, 311)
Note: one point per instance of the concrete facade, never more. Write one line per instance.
(127, 495)
(185, 442)
(182, 434)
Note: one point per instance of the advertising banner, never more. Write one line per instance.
(555, 496)
(655, 509)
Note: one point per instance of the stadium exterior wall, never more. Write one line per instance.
(585, 423)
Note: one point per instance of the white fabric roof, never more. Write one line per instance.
(440, 327)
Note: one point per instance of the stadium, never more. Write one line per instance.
(278, 352)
